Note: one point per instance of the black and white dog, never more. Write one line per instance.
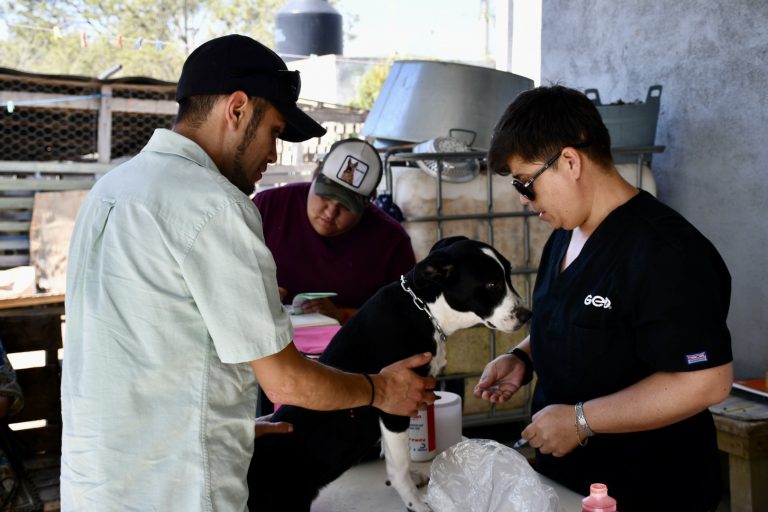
(461, 283)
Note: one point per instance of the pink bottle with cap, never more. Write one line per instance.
(598, 500)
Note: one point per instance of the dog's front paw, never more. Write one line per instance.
(418, 503)
(420, 478)
(418, 506)
(413, 498)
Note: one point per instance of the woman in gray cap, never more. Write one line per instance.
(327, 236)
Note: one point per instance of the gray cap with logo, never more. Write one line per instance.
(350, 174)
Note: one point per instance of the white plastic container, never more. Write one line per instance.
(435, 428)
(421, 435)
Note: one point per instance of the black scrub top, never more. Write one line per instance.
(647, 293)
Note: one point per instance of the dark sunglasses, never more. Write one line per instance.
(526, 189)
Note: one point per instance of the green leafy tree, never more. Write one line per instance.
(370, 84)
(147, 37)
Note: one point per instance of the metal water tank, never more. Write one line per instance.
(307, 27)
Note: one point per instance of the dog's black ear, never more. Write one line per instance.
(445, 242)
(437, 267)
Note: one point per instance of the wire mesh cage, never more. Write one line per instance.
(62, 133)
(51, 118)
(80, 119)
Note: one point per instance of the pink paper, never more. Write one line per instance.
(313, 340)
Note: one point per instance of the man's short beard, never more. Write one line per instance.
(237, 175)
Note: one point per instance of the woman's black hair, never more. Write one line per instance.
(540, 122)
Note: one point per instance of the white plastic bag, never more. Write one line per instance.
(481, 475)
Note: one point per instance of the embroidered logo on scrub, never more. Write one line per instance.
(597, 301)
(699, 357)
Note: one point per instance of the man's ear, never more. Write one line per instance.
(574, 161)
(437, 267)
(236, 107)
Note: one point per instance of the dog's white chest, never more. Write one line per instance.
(438, 361)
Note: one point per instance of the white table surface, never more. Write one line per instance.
(363, 489)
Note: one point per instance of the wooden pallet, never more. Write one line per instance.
(37, 327)
(19, 182)
(44, 472)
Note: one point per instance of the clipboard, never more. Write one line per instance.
(301, 298)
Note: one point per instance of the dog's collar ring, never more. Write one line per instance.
(422, 306)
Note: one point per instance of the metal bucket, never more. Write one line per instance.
(421, 100)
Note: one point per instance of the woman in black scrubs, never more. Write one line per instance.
(628, 336)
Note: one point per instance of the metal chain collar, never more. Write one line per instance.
(420, 305)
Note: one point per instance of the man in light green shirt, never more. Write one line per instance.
(173, 310)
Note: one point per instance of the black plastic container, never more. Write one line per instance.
(308, 27)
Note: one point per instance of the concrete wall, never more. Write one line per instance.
(712, 60)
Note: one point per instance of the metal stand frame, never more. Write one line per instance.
(395, 155)
(528, 270)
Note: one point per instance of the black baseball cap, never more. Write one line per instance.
(238, 63)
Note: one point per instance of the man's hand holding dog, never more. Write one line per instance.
(400, 390)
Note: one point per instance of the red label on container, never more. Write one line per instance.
(431, 427)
